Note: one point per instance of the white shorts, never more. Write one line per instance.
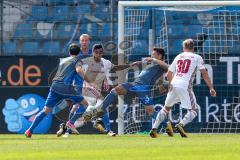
(91, 96)
(185, 96)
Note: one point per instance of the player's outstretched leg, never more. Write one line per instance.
(106, 123)
(179, 128)
(98, 113)
(98, 124)
(111, 133)
(36, 121)
(153, 133)
(191, 114)
(62, 129)
(161, 116)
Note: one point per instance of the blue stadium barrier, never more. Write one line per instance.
(55, 2)
(64, 31)
(105, 30)
(61, 2)
(51, 48)
(24, 30)
(60, 13)
(39, 13)
(80, 10)
(92, 29)
(29, 48)
(83, 29)
(102, 12)
(10, 48)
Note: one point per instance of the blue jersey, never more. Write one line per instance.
(89, 53)
(150, 74)
(64, 78)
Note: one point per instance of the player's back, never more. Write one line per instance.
(66, 71)
(150, 74)
(185, 66)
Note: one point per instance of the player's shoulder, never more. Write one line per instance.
(197, 56)
(179, 55)
(87, 59)
(105, 61)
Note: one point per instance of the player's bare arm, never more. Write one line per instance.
(208, 82)
(162, 88)
(170, 76)
(81, 72)
(120, 67)
(160, 62)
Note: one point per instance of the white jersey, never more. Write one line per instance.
(184, 67)
(96, 71)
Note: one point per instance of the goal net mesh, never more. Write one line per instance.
(215, 31)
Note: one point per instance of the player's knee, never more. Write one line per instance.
(120, 90)
(194, 111)
(46, 109)
(69, 103)
(166, 109)
(84, 103)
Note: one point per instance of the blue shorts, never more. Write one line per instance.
(54, 98)
(142, 91)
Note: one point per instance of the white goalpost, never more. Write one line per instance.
(155, 23)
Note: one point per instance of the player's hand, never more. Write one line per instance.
(105, 85)
(148, 59)
(135, 63)
(93, 89)
(212, 92)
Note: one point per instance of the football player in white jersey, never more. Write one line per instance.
(181, 74)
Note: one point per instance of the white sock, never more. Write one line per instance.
(79, 122)
(99, 103)
(160, 117)
(188, 117)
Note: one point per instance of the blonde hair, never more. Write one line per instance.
(188, 44)
(84, 35)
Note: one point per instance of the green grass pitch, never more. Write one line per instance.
(127, 147)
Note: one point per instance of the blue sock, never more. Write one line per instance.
(79, 112)
(109, 99)
(37, 120)
(69, 131)
(106, 122)
(71, 115)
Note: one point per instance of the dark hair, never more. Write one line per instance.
(159, 51)
(97, 46)
(74, 49)
(188, 44)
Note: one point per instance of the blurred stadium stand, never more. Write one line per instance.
(45, 27)
(49, 25)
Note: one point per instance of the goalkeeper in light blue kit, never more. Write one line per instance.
(62, 87)
(155, 68)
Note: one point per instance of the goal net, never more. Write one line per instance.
(215, 28)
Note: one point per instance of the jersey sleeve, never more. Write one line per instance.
(108, 65)
(86, 60)
(200, 63)
(79, 64)
(172, 67)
